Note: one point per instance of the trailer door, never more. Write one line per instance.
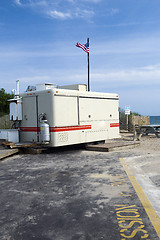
(30, 118)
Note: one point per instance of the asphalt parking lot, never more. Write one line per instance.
(70, 195)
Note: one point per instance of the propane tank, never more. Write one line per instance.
(44, 131)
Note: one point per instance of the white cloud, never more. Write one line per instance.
(35, 79)
(31, 3)
(92, 1)
(25, 54)
(113, 11)
(40, 3)
(127, 24)
(129, 45)
(55, 10)
(83, 13)
(18, 2)
(147, 75)
(59, 15)
(121, 79)
(77, 13)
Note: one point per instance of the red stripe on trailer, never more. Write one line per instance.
(114, 124)
(70, 128)
(57, 129)
(30, 129)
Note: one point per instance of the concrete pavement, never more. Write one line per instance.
(72, 195)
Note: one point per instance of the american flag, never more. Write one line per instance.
(85, 47)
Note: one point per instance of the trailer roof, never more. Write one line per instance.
(67, 92)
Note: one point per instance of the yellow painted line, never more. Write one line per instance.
(155, 220)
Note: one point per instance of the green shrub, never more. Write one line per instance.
(4, 104)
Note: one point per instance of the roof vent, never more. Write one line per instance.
(78, 87)
(44, 86)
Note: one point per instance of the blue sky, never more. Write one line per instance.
(37, 40)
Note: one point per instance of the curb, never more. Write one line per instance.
(7, 153)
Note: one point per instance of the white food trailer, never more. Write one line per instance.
(59, 116)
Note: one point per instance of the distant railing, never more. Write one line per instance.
(133, 121)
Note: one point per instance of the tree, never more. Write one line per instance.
(4, 104)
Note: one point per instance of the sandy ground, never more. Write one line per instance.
(148, 144)
(145, 166)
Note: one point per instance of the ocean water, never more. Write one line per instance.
(155, 120)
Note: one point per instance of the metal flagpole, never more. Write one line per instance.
(85, 48)
(88, 68)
